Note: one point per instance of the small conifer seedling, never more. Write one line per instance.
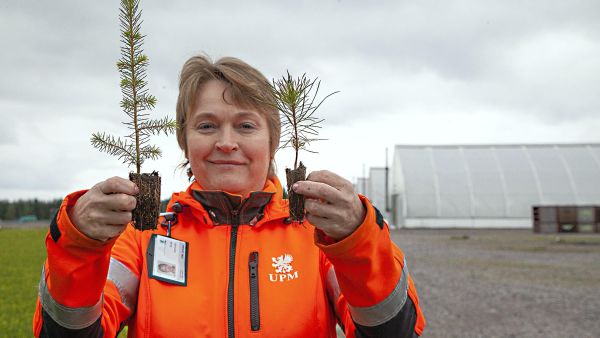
(296, 99)
(134, 149)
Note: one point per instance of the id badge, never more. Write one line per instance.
(167, 259)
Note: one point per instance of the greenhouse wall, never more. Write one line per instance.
(376, 190)
(489, 185)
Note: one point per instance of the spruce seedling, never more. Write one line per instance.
(134, 149)
(296, 99)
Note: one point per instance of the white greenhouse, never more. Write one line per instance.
(489, 185)
(373, 187)
(376, 190)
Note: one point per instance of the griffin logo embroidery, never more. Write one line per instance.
(283, 269)
(282, 264)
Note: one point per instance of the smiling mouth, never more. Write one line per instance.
(232, 163)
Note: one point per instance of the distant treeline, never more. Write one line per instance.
(13, 210)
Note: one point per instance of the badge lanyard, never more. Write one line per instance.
(167, 257)
(170, 219)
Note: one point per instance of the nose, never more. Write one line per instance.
(227, 142)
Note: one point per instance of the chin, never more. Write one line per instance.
(228, 187)
(232, 190)
(232, 183)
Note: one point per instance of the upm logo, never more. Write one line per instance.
(283, 269)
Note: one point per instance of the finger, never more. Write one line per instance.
(330, 178)
(118, 185)
(119, 202)
(116, 218)
(318, 190)
(317, 221)
(318, 208)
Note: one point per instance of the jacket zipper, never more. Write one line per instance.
(232, 249)
(254, 305)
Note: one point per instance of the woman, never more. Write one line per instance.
(237, 266)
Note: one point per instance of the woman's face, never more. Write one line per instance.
(228, 146)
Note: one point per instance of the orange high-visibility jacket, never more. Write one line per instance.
(251, 273)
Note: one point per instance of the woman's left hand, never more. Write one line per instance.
(331, 203)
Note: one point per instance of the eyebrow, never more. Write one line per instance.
(249, 113)
(201, 115)
(209, 114)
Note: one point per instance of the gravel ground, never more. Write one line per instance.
(505, 283)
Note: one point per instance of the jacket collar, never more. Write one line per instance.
(224, 208)
(220, 208)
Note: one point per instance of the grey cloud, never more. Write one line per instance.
(391, 60)
(467, 43)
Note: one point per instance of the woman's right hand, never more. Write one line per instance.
(105, 210)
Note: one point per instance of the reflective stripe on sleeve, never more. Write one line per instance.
(126, 282)
(74, 318)
(387, 308)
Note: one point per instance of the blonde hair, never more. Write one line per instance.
(248, 88)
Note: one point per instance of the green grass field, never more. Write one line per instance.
(22, 253)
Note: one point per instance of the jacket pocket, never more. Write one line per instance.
(254, 304)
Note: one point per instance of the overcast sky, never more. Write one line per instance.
(408, 72)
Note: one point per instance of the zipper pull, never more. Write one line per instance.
(235, 217)
(254, 298)
(253, 264)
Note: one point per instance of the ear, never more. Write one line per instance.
(190, 174)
